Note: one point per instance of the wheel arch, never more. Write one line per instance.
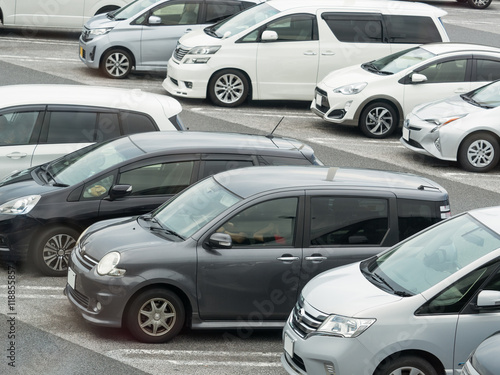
(476, 131)
(250, 82)
(429, 357)
(48, 226)
(385, 99)
(123, 48)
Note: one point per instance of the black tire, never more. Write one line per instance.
(479, 152)
(378, 120)
(406, 366)
(479, 4)
(116, 63)
(165, 324)
(228, 88)
(51, 250)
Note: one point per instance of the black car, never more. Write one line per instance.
(44, 209)
(235, 249)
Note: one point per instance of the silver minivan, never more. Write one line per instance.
(143, 34)
(420, 307)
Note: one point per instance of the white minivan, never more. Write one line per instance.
(70, 14)
(280, 49)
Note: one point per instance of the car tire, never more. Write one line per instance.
(155, 316)
(52, 249)
(228, 88)
(116, 63)
(479, 4)
(479, 152)
(406, 365)
(378, 120)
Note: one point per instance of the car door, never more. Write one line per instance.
(443, 78)
(19, 131)
(343, 227)
(256, 278)
(172, 20)
(47, 14)
(287, 67)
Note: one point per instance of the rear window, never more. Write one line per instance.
(415, 215)
(411, 29)
(136, 123)
(351, 28)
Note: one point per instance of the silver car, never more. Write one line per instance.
(420, 307)
(485, 360)
(463, 128)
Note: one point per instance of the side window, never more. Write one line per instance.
(348, 221)
(218, 11)
(215, 166)
(298, 27)
(108, 127)
(487, 70)
(71, 127)
(98, 189)
(346, 29)
(447, 71)
(136, 123)
(16, 128)
(177, 14)
(270, 223)
(415, 215)
(279, 160)
(411, 29)
(158, 179)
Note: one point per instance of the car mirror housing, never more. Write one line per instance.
(119, 191)
(417, 78)
(220, 241)
(154, 20)
(488, 298)
(269, 36)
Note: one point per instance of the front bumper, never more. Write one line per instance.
(339, 109)
(88, 53)
(187, 80)
(16, 233)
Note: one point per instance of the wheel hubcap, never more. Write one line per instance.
(117, 64)
(407, 371)
(379, 121)
(157, 317)
(229, 88)
(57, 250)
(480, 153)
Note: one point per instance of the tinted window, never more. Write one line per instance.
(108, 127)
(270, 223)
(448, 71)
(411, 29)
(216, 166)
(413, 216)
(136, 123)
(178, 14)
(219, 11)
(487, 70)
(348, 221)
(279, 160)
(167, 178)
(16, 128)
(350, 30)
(298, 27)
(71, 127)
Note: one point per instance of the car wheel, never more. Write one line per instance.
(53, 248)
(228, 88)
(155, 316)
(479, 152)
(479, 4)
(378, 120)
(407, 366)
(116, 63)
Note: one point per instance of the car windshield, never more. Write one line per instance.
(131, 9)
(423, 261)
(242, 21)
(398, 61)
(82, 164)
(487, 96)
(195, 207)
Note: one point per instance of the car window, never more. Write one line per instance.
(348, 221)
(162, 178)
(411, 29)
(270, 223)
(487, 70)
(218, 11)
(99, 188)
(136, 123)
(297, 27)
(108, 127)
(447, 71)
(346, 28)
(280, 160)
(415, 215)
(70, 127)
(215, 166)
(177, 14)
(16, 128)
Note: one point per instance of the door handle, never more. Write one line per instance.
(328, 53)
(310, 53)
(316, 258)
(17, 155)
(287, 258)
(188, 30)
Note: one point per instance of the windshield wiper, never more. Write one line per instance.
(468, 99)
(370, 66)
(210, 31)
(49, 176)
(380, 279)
(157, 226)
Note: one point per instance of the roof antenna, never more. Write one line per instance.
(270, 135)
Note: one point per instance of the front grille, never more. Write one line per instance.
(174, 81)
(304, 322)
(414, 143)
(84, 259)
(180, 52)
(296, 361)
(79, 297)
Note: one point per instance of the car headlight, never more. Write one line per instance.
(107, 265)
(351, 89)
(342, 326)
(98, 32)
(444, 121)
(19, 206)
(198, 55)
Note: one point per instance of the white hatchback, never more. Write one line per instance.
(39, 123)
(377, 95)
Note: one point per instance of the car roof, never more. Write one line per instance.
(96, 96)
(392, 7)
(449, 47)
(260, 179)
(489, 216)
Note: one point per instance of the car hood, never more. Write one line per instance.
(350, 74)
(197, 38)
(100, 21)
(345, 291)
(23, 187)
(452, 106)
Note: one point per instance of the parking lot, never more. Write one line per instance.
(51, 338)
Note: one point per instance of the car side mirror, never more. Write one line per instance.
(488, 298)
(269, 36)
(119, 191)
(220, 241)
(154, 20)
(417, 78)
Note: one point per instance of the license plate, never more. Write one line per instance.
(319, 100)
(71, 278)
(288, 344)
(81, 51)
(406, 134)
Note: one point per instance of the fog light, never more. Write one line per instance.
(329, 368)
(189, 85)
(437, 143)
(347, 105)
(97, 307)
